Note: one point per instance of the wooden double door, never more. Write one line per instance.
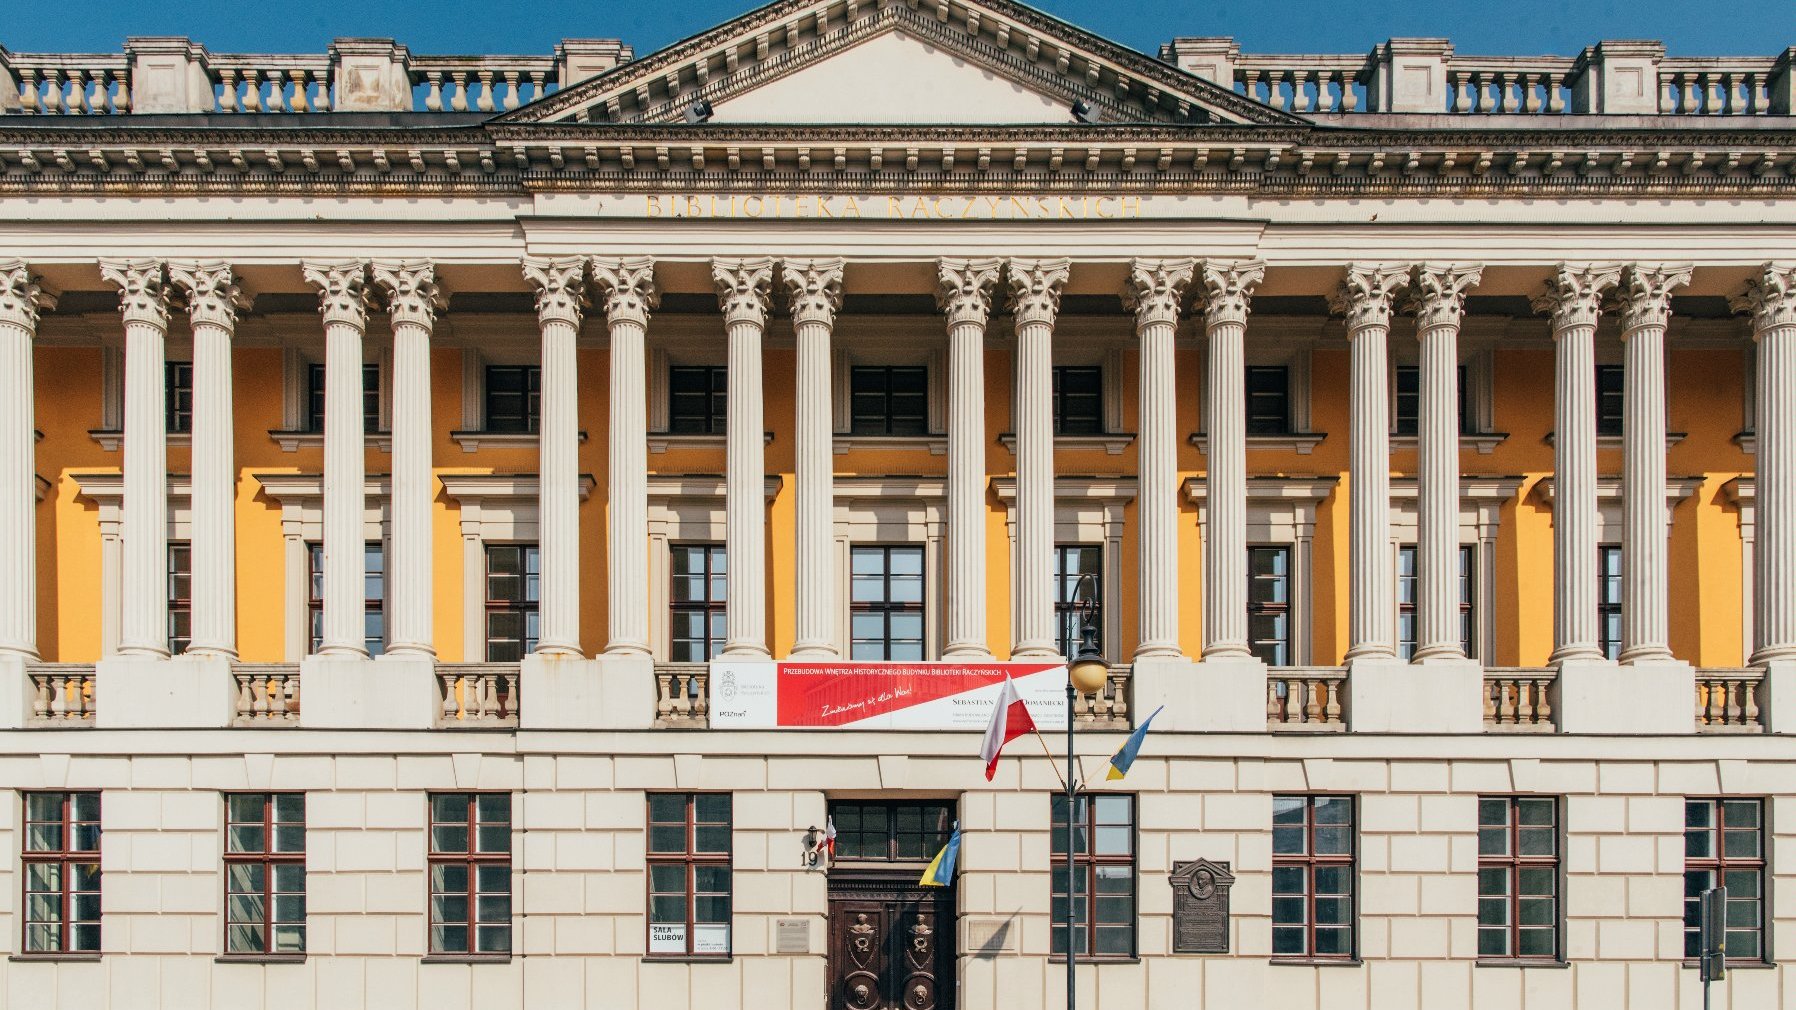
(891, 942)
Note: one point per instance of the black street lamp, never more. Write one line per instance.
(1085, 675)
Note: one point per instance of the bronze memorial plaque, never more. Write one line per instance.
(1200, 907)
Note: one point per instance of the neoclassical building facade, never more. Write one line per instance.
(548, 530)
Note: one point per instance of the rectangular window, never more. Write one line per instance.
(315, 397)
(470, 873)
(1518, 878)
(178, 396)
(1313, 877)
(374, 596)
(698, 397)
(1724, 846)
(1070, 564)
(891, 832)
(1409, 401)
(1268, 400)
(1608, 399)
(889, 400)
(513, 596)
(513, 398)
(887, 604)
(1408, 592)
(62, 873)
(1078, 400)
(180, 597)
(265, 873)
(1101, 885)
(689, 875)
(699, 619)
(1269, 604)
(1608, 601)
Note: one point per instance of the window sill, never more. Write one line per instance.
(1485, 442)
(1299, 442)
(1317, 962)
(259, 959)
(937, 445)
(1113, 443)
(1614, 442)
(1748, 441)
(465, 959)
(56, 958)
(471, 441)
(687, 958)
(661, 441)
(293, 441)
(109, 439)
(1095, 959)
(1734, 966)
(1500, 962)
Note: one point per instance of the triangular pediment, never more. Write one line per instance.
(889, 62)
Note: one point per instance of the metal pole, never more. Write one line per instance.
(1072, 887)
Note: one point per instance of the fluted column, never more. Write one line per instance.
(414, 297)
(343, 302)
(1366, 297)
(1035, 302)
(1226, 290)
(814, 291)
(214, 300)
(1573, 297)
(965, 296)
(560, 305)
(1644, 296)
(143, 302)
(1155, 292)
(628, 289)
(1770, 298)
(1437, 296)
(21, 299)
(743, 288)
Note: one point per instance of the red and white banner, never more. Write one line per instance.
(880, 695)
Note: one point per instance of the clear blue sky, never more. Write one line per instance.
(1519, 27)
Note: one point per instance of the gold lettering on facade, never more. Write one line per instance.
(893, 208)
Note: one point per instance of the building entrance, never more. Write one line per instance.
(891, 941)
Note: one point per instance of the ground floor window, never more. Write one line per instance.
(470, 873)
(689, 875)
(1099, 879)
(1312, 877)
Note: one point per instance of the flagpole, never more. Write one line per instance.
(1050, 757)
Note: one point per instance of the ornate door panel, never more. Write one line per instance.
(891, 946)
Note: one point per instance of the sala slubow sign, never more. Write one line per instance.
(928, 696)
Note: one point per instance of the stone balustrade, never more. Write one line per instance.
(62, 694)
(1110, 707)
(1305, 698)
(682, 694)
(1727, 700)
(478, 695)
(267, 694)
(1519, 699)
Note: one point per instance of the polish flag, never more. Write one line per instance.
(1010, 719)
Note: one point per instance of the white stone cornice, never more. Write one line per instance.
(1769, 297)
(1368, 295)
(22, 295)
(1155, 290)
(342, 290)
(1035, 288)
(414, 294)
(560, 288)
(143, 289)
(813, 289)
(1225, 290)
(1643, 295)
(628, 287)
(1437, 293)
(744, 289)
(1573, 295)
(214, 295)
(965, 289)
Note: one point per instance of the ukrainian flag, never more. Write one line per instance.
(1119, 765)
(940, 872)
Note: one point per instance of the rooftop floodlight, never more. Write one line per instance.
(1082, 112)
(698, 112)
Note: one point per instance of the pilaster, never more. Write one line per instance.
(143, 303)
(1155, 292)
(22, 298)
(414, 298)
(744, 287)
(814, 291)
(1226, 294)
(1035, 287)
(627, 287)
(1769, 299)
(965, 296)
(560, 306)
(343, 302)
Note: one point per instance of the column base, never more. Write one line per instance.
(569, 692)
(1438, 695)
(1213, 696)
(1777, 696)
(186, 692)
(1600, 696)
(17, 698)
(392, 692)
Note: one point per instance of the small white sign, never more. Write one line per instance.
(711, 939)
(667, 938)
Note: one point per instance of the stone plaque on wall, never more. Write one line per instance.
(1200, 907)
(792, 936)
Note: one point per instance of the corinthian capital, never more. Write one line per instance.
(1156, 290)
(964, 289)
(21, 296)
(814, 289)
(1573, 295)
(1644, 295)
(744, 289)
(414, 295)
(628, 288)
(1437, 293)
(1035, 289)
(1769, 297)
(342, 290)
(1226, 289)
(213, 295)
(1368, 294)
(143, 289)
(560, 288)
